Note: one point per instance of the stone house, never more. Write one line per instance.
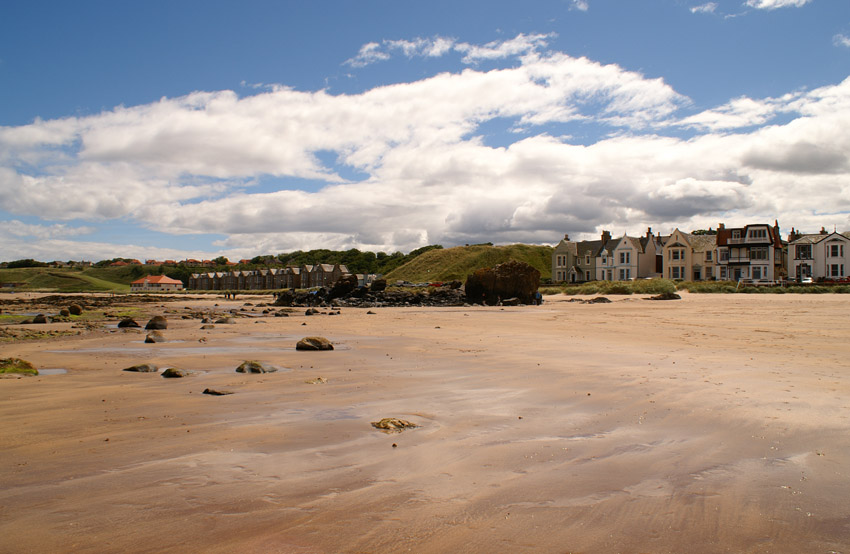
(576, 262)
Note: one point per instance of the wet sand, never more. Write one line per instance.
(717, 423)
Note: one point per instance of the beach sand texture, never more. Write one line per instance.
(715, 423)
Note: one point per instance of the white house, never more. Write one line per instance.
(821, 256)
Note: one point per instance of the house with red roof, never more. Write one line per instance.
(154, 283)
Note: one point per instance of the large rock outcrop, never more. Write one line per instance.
(511, 279)
(345, 285)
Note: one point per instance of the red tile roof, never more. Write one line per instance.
(161, 279)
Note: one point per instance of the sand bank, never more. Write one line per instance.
(712, 424)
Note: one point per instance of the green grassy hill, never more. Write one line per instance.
(65, 280)
(457, 263)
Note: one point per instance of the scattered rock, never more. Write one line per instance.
(314, 343)
(216, 392)
(174, 372)
(142, 368)
(157, 322)
(224, 320)
(17, 365)
(40, 318)
(207, 327)
(598, 300)
(75, 309)
(154, 336)
(255, 367)
(317, 381)
(370, 312)
(281, 314)
(64, 312)
(127, 322)
(508, 280)
(393, 425)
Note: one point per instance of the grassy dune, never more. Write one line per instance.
(457, 263)
(62, 280)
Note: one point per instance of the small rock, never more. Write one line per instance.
(64, 312)
(393, 425)
(40, 318)
(216, 392)
(317, 381)
(127, 322)
(142, 368)
(17, 365)
(154, 336)
(314, 343)
(224, 321)
(75, 309)
(255, 367)
(174, 372)
(207, 327)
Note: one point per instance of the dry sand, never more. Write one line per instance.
(717, 423)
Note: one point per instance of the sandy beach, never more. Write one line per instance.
(715, 423)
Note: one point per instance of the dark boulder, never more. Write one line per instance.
(378, 285)
(314, 343)
(40, 318)
(75, 309)
(511, 279)
(127, 322)
(666, 296)
(142, 368)
(157, 322)
(64, 312)
(224, 320)
(345, 285)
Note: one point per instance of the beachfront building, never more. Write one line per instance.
(820, 256)
(753, 252)
(576, 262)
(629, 258)
(155, 283)
(688, 257)
(306, 276)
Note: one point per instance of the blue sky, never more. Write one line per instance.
(197, 129)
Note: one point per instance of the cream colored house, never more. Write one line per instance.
(629, 258)
(689, 257)
(156, 283)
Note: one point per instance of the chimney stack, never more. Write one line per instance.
(720, 226)
(606, 236)
(566, 237)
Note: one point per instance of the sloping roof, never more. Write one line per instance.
(809, 239)
(154, 279)
(702, 243)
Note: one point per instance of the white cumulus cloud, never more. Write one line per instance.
(774, 4)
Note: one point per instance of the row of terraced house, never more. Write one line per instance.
(754, 252)
(303, 277)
